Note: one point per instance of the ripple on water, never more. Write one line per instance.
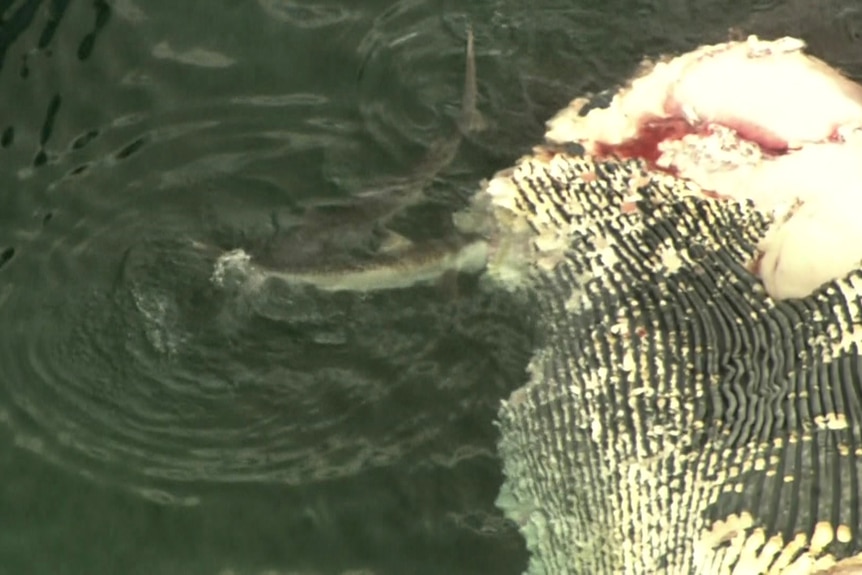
(122, 360)
(308, 13)
(162, 381)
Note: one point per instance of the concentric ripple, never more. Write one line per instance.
(160, 381)
(121, 360)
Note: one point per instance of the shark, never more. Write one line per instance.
(351, 247)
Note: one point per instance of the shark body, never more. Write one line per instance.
(351, 248)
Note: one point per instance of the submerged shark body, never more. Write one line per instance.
(350, 246)
(424, 263)
(421, 263)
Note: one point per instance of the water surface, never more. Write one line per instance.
(154, 421)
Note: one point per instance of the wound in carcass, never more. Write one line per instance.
(755, 120)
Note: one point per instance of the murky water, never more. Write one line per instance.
(155, 421)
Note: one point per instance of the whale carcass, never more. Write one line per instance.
(693, 248)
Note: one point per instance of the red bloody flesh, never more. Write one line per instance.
(767, 141)
(651, 133)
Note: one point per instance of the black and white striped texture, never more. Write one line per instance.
(676, 420)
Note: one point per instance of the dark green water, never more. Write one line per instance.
(154, 422)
